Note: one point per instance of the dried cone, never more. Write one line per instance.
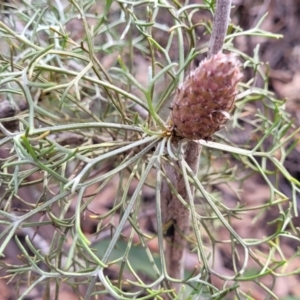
(204, 100)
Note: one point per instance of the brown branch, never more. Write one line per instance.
(175, 215)
(221, 20)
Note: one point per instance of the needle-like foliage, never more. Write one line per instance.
(84, 112)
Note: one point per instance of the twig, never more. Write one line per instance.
(220, 26)
(174, 212)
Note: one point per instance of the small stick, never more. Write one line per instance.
(221, 20)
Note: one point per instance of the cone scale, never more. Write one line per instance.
(203, 101)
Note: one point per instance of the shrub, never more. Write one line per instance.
(85, 91)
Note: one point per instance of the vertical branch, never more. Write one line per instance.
(221, 20)
(175, 215)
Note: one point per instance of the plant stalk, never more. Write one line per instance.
(175, 215)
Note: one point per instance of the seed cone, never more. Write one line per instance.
(202, 103)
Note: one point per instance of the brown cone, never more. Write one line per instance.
(202, 103)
